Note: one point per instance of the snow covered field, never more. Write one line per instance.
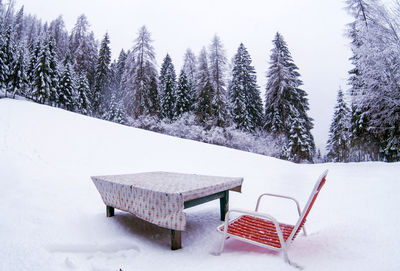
(54, 219)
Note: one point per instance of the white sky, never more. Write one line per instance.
(313, 29)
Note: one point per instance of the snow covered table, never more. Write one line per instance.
(160, 197)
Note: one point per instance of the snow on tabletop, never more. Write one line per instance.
(171, 182)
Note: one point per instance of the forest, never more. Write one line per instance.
(211, 99)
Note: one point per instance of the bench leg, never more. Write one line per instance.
(109, 211)
(176, 240)
(224, 205)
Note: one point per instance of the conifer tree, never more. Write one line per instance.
(144, 75)
(60, 35)
(374, 81)
(205, 91)
(339, 136)
(83, 48)
(217, 73)
(119, 71)
(127, 79)
(286, 104)
(44, 76)
(66, 92)
(82, 101)
(19, 25)
(6, 58)
(101, 93)
(190, 69)
(54, 74)
(183, 98)
(167, 88)
(246, 104)
(18, 80)
(114, 112)
(34, 56)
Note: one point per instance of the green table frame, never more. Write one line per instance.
(176, 236)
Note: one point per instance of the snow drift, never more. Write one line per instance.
(53, 217)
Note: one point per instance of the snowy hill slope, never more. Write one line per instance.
(53, 217)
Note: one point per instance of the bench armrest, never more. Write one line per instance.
(284, 197)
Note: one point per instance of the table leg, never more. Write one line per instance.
(176, 240)
(224, 205)
(109, 211)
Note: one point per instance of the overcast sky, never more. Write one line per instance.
(313, 29)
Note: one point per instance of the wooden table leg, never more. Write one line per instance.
(109, 211)
(176, 240)
(224, 205)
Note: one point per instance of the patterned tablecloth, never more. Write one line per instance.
(158, 197)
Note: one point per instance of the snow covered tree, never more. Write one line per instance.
(83, 49)
(127, 79)
(18, 80)
(339, 135)
(246, 104)
(190, 69)
(114, 111)
(6, 58)
(45, 76)
(286, 104)
(205, 91)
(375, 81)
(217, 73)
(82, 101)
(118, 73)
(18, 25)
(53, 72)
(60, 35)
(144, 75)
(299, 147)
(183, 102)
(167, 88)
(101, 92)
(66, 88)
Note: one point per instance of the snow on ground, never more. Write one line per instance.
(54, 219)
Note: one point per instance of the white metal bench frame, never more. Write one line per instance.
(299, 225)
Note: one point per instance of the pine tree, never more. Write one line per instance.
(83, 48)
(34, 57)
(299, 147)
(101, 92)
(53, 72)
(60, 35)
(339, 134)
(167, 88)
(190, 69)
(246, 104)
(205, 91)
(66, 92)
(183, 98)
(363, 143)
(19, 25)
(82, 101)
(217, 72)
(144, 75)
(7, 51)
(44, 76)
(18, 80)
(127, 79)
(119, 71)
(286, 104)
(374, 81)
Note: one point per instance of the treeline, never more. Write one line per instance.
(204, 101)
(367, 127)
